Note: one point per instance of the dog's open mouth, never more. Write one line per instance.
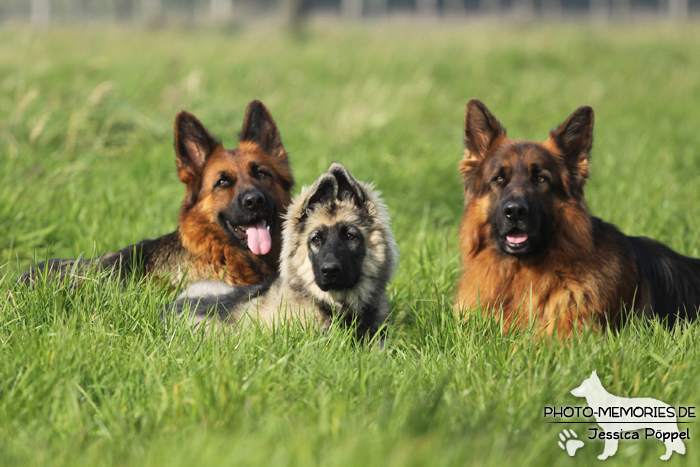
(256, 236)
(516, 239)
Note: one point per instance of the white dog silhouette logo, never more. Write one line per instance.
(640, 411)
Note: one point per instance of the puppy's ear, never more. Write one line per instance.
(323, 191)
(193, 146)
(574, 138)
(348, 188)
(482, 134)
(260, 128)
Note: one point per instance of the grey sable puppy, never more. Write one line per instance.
(338, 254)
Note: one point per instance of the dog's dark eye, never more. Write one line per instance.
(262, 175)
(316, 240)
(223, 182)
(541, 179)
(349, 236)
(499, 179)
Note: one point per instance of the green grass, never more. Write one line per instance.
(93, 376)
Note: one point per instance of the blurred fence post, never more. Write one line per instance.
(293, 12)
(221, 11)
(351, 9)
(41, 12)
(377, 7)
(81, 8)
(427, 7)
(678, 9)
(552, 8)
(622, 8)
(124, 9)
(599, 9)
(490, 7)
(524, 7)
(454, 7)
(152, 10)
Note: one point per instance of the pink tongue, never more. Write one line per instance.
(517, 238)
(259, 240)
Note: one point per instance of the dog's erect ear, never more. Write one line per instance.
(323, 191)
(260, 128)
(193, 145)
(575, 135)
(481, 131)
(482, 134)
(574, 138)
(348, 188)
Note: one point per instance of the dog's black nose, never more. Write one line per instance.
(253, 199)
(330, 269)
(515, 209)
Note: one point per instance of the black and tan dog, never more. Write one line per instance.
(530, 248)
(231, 219)
(338, 254)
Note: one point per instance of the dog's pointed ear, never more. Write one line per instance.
(482, 133)
(574, 138)
(260, 128)
(193, 145)
(323, 191)
(575, 135)
(481, 130)
(348, 188)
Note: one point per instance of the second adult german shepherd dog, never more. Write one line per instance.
(231, 219)
(338, 254)
(531, 250)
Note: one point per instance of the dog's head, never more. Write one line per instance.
(337, 243)
(521, 186)
(589, 387)
(243, 191)
(335, 239)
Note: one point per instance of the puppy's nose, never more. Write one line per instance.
(515, 209)
(331, 269)
(253, 200)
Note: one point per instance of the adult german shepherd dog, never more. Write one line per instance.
(338, 254)
(531, 250)
(231, 218)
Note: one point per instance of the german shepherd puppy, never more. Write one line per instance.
(531, 250)
(338, 254)
(230, 223)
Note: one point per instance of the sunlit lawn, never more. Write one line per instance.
(93, 376)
